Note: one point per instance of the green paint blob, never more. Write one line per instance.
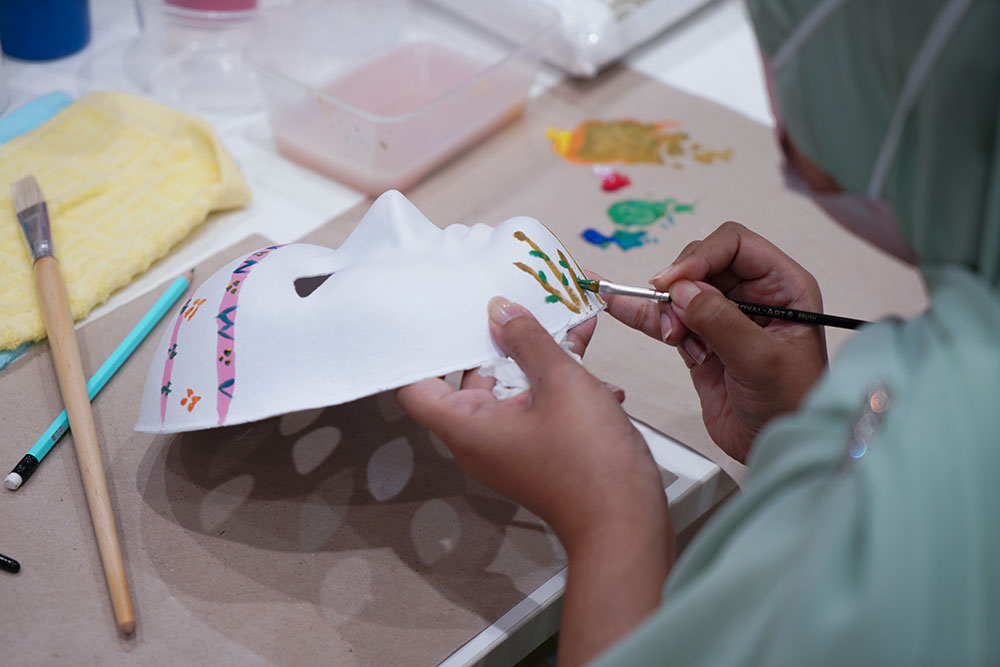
(541, 276)
(563, 264)
(552, 298)
(565, 281)
(636, 212)
(539, 253)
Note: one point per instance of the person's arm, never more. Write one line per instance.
(615, 580)
(566, 451)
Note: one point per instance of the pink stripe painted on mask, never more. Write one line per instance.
(225, 365)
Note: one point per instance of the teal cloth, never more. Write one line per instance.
(837, 92)
(7, 356)
(31, 114)
(23, 119)
(890, 559)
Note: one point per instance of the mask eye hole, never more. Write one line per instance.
(308, 284)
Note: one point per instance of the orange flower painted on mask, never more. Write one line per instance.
(195, 305)
(190, 400)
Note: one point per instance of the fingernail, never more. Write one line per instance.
(655, 279)
(503, 310)
(616, 391)
(682, 291)
(694, 348)
(665, 327)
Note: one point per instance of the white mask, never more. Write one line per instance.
(404, 300)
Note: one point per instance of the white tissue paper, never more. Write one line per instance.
(300, 326)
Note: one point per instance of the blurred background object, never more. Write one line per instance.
(223, 5)
(189, 54)
(4, 93)
(44, 29)
(592, 34)
(377, 93)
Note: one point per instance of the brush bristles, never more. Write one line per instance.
(26, 194)
(589, 285)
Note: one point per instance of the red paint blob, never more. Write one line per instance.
(614, 181)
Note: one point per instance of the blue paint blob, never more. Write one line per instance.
(623, 239)
(595, 237)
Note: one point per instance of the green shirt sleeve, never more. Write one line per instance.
(862, 537)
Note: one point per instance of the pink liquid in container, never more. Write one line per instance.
(384, 119)
(389, 140)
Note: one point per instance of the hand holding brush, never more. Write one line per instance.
(746, 370)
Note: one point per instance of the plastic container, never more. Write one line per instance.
(377, 93)
(193, 58)
(44, 29)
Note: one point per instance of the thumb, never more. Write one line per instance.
(738, 341)
(526, 341)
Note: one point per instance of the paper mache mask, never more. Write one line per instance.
(299, 326)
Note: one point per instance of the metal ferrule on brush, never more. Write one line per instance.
(608, 287)
(35, 223)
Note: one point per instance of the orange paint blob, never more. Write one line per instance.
(190, 400)
(629, 141)
(598, 141)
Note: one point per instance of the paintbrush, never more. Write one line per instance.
(751, 309)
(29, 204)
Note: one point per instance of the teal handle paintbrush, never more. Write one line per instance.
(27, 465)
(750, 309)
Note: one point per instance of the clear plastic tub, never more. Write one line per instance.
(376, 93)
(193, 58)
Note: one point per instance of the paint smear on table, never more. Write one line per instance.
(625, 240)
(639, 212)
(611, 180)
(633, 219)
(629, 141)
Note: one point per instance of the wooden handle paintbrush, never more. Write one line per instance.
(33, 216)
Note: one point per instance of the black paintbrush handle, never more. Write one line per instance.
(804, 316)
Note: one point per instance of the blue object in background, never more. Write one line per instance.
(44, 29)
(31, 114)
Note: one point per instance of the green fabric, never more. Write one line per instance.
(892, 559)
(837, 92)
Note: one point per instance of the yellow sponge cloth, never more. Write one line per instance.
(124, 179)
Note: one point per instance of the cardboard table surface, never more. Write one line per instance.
(347, 535)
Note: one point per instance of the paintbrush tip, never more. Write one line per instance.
(26, 193)
(589, 285)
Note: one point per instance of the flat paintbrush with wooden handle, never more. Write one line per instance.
(33, 216)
